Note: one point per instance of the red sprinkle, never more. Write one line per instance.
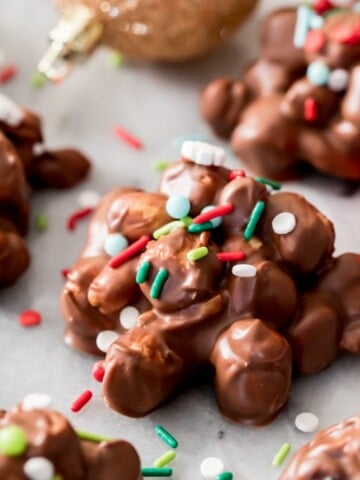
(98, 371)
(345, 33)
(81, 401)
(322, 6)
(129, 252)
(7, 73)
(79, 215)
(310, 110)
(237, 173)
(65, 272)
(230, 256)
(314, 41)
(128, 138)
(30, 318)
(219, 211)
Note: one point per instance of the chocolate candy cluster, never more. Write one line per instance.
(215, 269)
(23, 165)
(298, 104)
(38, 443)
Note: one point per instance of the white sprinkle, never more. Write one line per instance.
(39, 468)
(203, 153)
(36, 401)
(243, 270)
(283, 223)
(128, 317)
(338, 80)
(306, 422)
(105, 339)
(10, 112)
(211, 467)
(89, 198)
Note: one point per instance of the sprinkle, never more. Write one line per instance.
(283, 223)
(7, 74)
(166, 436)
(165, 459)
(231, 256)
(237, 173)
(156, 472)
(178, 206)
(35, 401)
(143, 272)
(161, 165)
(314, 42)
(129, 317)
(217, 221)
(338, 80)
(271, 183)
(41, 222)
(318, 73)
(115, 59)
(310, 110)
(166, 229)
(158, 283)
(211, 467)
(115, 243)
(91, 437)
(81, 401)
(38, 80)
(30, 318)
(98, 371)
(39, 468)
(88, 198)
(316, 22)
(306, 422)
(243, 270)
(65, 272)
(302, 25)
(202, 227)
(345, 33)
(213, 213)
(128, 138)
(254, 220)
(225, 476)
(78, 215)
(129, 252)
(197, 254)
(12, 441)
(281, 455)
(105, 338)
(322, 6)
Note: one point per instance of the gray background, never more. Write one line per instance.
(158, 104)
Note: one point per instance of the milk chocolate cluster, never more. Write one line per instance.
(251, 290)
(332, 453)
(298, 104)
(23, 166)
(39, 443)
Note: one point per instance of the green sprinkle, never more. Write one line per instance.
(225, 476)
(197, 254)
(161, 165)
(187, 221)
(166, 229)
(272, 183)
(156, 472)
(143, 272)
(12, 441)
(165, 459)
(200, 227)
(91, 437)
(254, 220)
(281, 455)
(158, 283)
(115, 59)
(41, 222)
(166, 436)
(38, 80)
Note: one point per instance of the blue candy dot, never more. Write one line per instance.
(115, 243)
(318, 73)
(178, 206)
(216, 222)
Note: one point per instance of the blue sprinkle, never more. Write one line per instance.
(215, 222)
(178, 206)
(316, 21)
(115, 243)
(318, 73)
(304, 14)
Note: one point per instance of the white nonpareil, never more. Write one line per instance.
(203, 153)
(39, 468)
(211, 467)
(10, 112)
(105, 339)
(244, 270)
(36, 401)
(306, 422)
(284, 223)
(128, 317)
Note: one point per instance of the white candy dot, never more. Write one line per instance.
(211, 467)
(243, 270)
(39, 468)
(128, 317)
(36, 401)
(105, 339)
(338, 80)
(89, 198)
(10, 112)
(283, 223)
(306, 422)
(203, 153)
